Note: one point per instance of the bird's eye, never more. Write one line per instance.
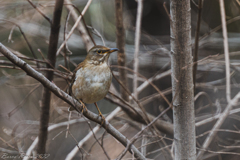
(99, 51)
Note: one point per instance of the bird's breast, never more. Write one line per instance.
(92, 82)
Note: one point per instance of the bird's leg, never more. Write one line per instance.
(83, 105)
(100, 114)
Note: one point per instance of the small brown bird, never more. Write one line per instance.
(92, 78)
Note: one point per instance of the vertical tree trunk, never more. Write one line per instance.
(182, 80)
(52, 49)
(121, 46)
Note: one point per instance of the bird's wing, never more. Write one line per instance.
(74, 76)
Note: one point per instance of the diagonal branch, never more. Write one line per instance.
(25, 38)
(74, 27)
(86, 37)
(90, 134)
(34, 6)
(67, 98)
(218, 124)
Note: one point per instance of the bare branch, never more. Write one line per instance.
(25, 38)
(64, 96)
(74, 27)
(218, 124)
(226, 50)
(137, 43)
(90, 134)
(86, 37)
(163, 126)
(140, 132)
(195, 55)
(46, 99)
(232, 102)
(34, 6)
(23, 101)
(120, 31)
(50, 128)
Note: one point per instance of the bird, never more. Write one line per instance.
(92, 78)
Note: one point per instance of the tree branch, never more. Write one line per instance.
(34, 6)
(195, 55)
(83, 31)
(232, 102)
(67, 98)
(121, 46)
(46, 99)
(74, 27)
(137, 42)
(161, 125)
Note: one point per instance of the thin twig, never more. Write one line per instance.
(13, 111)
(90, 134)
(154, 86)
(140, 132)
(34, 6)
(208, 120)
(74, 27)
(137, 43)
(80, 149)
(219, 27)
(154, 78)
(47, 61)
(50, 128)
(95, 31)
(8, 143)
(162, 126)
(166, 10)
(195, 55)
(226, 50)
(218, 124)
(203, 94)
(10, 35)
(84, 32)
(24, 36)
(105, 152)
(145, 118)
(66, 57)
(126, 103)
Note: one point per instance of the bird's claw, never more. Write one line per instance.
(103, 119)
(83, 106)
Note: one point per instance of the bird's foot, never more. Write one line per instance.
(103, 118)
(83, 106)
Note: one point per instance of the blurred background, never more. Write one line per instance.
(20, 95)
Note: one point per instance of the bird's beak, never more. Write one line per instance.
(112, 50)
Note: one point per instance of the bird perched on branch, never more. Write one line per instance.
(92, 77)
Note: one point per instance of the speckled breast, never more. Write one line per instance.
(92, 85)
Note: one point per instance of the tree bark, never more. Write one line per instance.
(46, 99)
(182, 80)
(121, 46)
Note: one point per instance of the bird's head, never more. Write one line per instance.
(99, 54)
